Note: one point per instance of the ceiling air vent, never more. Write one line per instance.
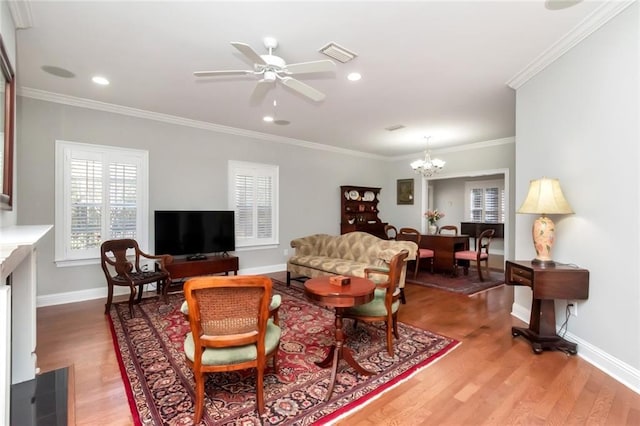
(394, 127)
(337, 52)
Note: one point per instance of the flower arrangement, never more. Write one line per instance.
(433, 215)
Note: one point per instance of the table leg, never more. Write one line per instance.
(337, 351)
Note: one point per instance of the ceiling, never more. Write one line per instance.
(439, 68)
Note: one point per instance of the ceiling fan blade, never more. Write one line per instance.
(260, 91)
(221, 72)
(303, 89)
(309, 67)
(248, 51)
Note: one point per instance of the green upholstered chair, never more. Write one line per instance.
(230, 329)
(274, 307)
(386, 300)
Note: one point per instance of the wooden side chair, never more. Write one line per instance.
(411, 234)
(449, 229)
(386, 301)
(228, 317)
(479, 255)
(119, 271)
(391, 232)
(274, 308)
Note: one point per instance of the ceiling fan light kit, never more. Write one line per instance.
(272, 68)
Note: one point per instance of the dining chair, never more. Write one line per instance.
(479, 255)
(119, 271)
(391, 232)
(411, 234)
(386, 300)
(230, 330)
(449, 229)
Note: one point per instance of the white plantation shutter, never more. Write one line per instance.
(253, 197)
(485, 201)
(86, 204)
(101, 194)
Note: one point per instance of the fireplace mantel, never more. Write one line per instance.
(18, 260)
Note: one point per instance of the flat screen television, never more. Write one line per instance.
(194, 232)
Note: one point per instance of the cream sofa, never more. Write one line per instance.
(348, 254)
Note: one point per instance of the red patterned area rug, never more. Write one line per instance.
(462, 284)
(159, 383)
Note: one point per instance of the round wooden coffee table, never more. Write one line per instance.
(358, 292)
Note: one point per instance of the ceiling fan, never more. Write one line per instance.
(272, 68)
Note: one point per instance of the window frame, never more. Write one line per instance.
(64, 152)
(255, 169)
(469, 186)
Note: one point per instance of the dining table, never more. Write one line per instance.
(444, 247)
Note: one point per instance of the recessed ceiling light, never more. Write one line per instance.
(100, 80)
(267, 118)
(354, 76)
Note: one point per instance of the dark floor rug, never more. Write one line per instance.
(159, 383)
(462, 284)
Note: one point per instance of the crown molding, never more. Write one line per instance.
(590, 24)
(460, 148)
(21, 13)
(43, 95)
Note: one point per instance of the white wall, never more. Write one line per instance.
(188, 170)
(578, 121)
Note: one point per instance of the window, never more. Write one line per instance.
(101, 194)
(484, 201)
(253, 196)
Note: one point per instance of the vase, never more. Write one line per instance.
(433, 229)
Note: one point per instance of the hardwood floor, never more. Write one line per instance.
(491, 378)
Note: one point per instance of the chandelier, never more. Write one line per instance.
(427, 167)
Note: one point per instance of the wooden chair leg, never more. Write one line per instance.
(415, 273)
(288, 279)
(260, 389)
(131, 299)
(479, 266)
(395, 326)
(107, 306)
(403, 299)
(199, 397)
(140, 289)
(389, 325)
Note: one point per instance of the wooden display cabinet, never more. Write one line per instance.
(359, 210)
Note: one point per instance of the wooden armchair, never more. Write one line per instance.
(119, 271)
(481, 254)
(230, 331)
(386, 300)
(410, 234)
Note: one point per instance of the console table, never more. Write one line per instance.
(547, 284)
(182, 268)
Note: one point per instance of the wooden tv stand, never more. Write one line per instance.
(179, 269)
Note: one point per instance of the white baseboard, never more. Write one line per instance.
(619, 370)
(101, 292)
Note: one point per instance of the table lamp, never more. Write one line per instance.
(544, 197)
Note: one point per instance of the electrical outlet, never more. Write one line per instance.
(573, 307)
